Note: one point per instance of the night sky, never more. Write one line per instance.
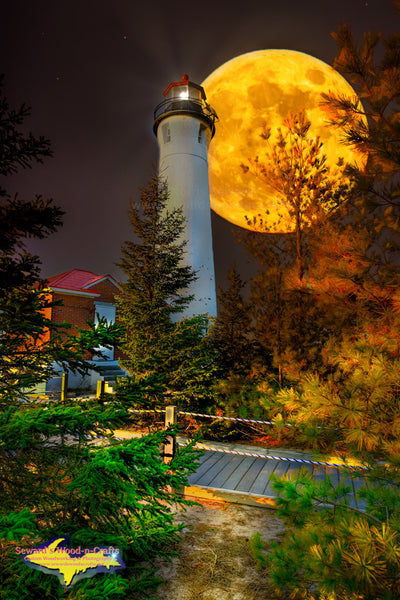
(93, 72)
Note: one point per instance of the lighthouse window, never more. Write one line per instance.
(166, 134)
(201, 133)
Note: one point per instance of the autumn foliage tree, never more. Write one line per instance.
(295, 168)
(338, 551)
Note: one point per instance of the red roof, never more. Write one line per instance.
(78, 280)
(185, 81)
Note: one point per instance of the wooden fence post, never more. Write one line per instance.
(101, 384)
(64, 387)
(169, 446)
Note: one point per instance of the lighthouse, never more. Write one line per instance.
(184, 125)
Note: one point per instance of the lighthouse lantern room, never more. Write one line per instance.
(185, 97)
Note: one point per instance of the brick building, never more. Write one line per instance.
(86, 297)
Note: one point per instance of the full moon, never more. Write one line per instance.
(259, 89)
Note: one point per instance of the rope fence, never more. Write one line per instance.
(230, 418)
(190, 414)
(153, 410)
(171, 415)
(282, 458)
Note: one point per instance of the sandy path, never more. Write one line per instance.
(215, 561)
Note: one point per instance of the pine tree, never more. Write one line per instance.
(295, 168)
(30, 344)
(231, 331)
(272, 306)
(156, 281)
(173, 355)
(54, 480)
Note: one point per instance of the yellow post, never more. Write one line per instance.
(64, 387)
(100, 387)
(169, 446)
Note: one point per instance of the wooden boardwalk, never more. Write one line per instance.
(246, 479)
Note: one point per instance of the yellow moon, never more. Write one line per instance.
(255, 89)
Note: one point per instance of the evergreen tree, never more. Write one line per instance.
(156, 281)
(294, 166)
(272, 306)
(231, 331)
(174, 355)
(54, 480)
(30, 344)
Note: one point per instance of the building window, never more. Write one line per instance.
(201, 133)
(166, 134)
(106, 310)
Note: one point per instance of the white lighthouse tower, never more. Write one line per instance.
(184, 125)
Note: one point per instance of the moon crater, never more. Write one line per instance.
(316, 76)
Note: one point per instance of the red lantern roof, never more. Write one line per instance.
(185, 81)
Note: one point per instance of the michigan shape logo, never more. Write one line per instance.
(72, 564)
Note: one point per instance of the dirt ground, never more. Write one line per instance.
(215, 561)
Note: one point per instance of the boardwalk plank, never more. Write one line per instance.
(249, 476)
(295, 467)
(348, 480)
(248, 480)
(358, 481)
(208, 459)
(334, 475)
(240, 471)
(214, 469)
(319, 472)
(280, 470)
(262, 478)
(220, 479)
